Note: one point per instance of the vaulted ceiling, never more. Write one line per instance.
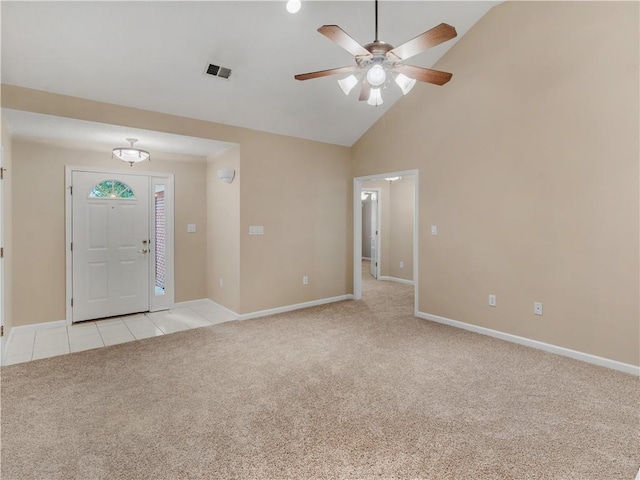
(153, 55)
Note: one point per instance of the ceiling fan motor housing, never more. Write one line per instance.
(379, 51)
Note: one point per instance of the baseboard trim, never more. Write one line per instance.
(396, 279)
(264, 313)
(3, 348)
(547, 347)
(290, 308)
(36, 326)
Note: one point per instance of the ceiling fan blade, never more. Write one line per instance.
(430, 38)
(365, 91)
(325, 73)
(424, 74)
(342, 38)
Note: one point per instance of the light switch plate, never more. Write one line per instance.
(256, 230)
(434, 229)
(191, 228)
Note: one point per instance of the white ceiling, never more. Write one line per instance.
(153, 55)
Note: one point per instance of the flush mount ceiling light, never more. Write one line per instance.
(293, 6)
(392, 179)
(130, 154)
(378, 62)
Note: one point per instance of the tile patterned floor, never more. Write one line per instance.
(50, 342)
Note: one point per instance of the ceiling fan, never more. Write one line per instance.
(378, 61)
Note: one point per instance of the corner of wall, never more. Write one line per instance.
(223, 230)
(7, 231)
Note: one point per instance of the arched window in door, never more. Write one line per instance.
(112, 189)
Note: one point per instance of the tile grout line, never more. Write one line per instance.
(82, 336)
(135, 339)
(200, 315)
(101, 338)
(157, 326)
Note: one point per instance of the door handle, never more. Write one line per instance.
(143, 251)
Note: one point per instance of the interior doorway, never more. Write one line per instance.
(3, 339)
(386, 260)
(370, 228)
(120, 236)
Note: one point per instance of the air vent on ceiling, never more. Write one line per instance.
(218, 71)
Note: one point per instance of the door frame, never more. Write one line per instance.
(156, 303)
(357, 230)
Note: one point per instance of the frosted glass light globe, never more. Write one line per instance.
(375, 97)
(347, 84)
(376, 75)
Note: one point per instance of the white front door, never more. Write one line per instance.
(110, 244)
(374, 235)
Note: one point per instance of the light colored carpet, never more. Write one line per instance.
(353, 390)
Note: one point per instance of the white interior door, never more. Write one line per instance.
(110, 244)
(374, 235)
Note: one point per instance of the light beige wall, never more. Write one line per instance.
(401, 204)
(223, 230)
(39, 223)
(301, 192)
(529, 166)
(298, 189)
(7, 228)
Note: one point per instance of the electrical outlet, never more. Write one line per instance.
(492, 300)
(434, 230)
(537, 308)
(305, 280)
(401, 264)
(221, 283)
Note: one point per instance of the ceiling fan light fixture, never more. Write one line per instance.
(380, 62)
(131, 154)
(376, 75)
(405, 83)
(375, 97)
(293, 6)
(347, 84)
